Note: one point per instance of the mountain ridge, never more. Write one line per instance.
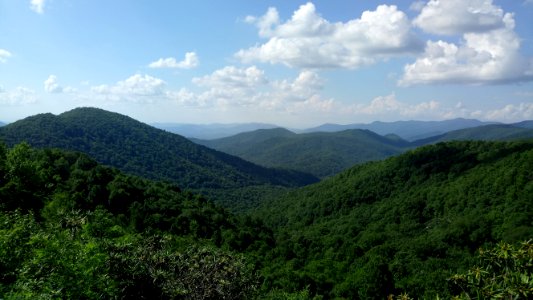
(139, 149)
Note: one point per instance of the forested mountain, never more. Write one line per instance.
(73, 229)
(140, 149)
(408, 130)
(2, 124)
(320, 153)
(524, 124)
(210, 131)
(496, 132)
(404, 224)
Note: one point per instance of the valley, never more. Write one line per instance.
(388, 217)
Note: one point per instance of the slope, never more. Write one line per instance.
(139, 149)
(321, 153)
(401, 225)
(497, 132)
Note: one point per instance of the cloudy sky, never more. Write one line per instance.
(291, 63)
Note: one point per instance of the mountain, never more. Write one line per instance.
(408, 130)
(136, 148)
(320, 153)
(524, 124)
(210, 131)
(405, 224)
(497, 132)
(2, 124)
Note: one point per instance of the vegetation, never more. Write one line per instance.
(73, 229)
(403, 225)
(139, 149)
(321, 153)
(408, 225)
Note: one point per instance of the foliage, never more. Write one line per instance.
(503, 272)
(404, 224)
(73, 229)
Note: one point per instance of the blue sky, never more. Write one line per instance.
(291, 63)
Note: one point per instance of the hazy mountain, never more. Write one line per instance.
(405, 224)
(320, 153)
(2, 124)
(140, 149)
(210, 131)
(497, 132)
(524, 124)
(408, 130)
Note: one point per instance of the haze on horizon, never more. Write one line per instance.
(297, 64)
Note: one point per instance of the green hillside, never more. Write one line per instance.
(136, 148)
(404, 224)
(73, 229)
(321, 153)
(498, 132)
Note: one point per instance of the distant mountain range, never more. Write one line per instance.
(320, 153)
(136, 148)
(210, 131)
(496, 132)
(408, 130)
(326, 153)
(2, 124)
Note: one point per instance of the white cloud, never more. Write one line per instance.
(190, 61)
(52, 86)
(249, 87)
(4, 55)
(309, 41)
(18, 96)
(488, 57)
(383, 106)
(450, 17)
(137, 88)
(37, 6)
(511, 113)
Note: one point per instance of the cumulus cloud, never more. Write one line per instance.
(489, 52)
(190, 61)
(511, 113)
(390, 106)
(137, 88)
(17, 96)
(451, 17)
(37, 6)
(52, 86)
(4, 55)
(249, 87)
(309, 41)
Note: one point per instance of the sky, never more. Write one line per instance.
(292, 63)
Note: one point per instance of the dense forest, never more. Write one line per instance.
(320, 153)
(136, 148)
(412, 224)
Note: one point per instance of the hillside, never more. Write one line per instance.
(321, 153)
(408, 130)
(73, 229)
(139, 149)
(404, 224)
(210, 131)
(497, 132)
